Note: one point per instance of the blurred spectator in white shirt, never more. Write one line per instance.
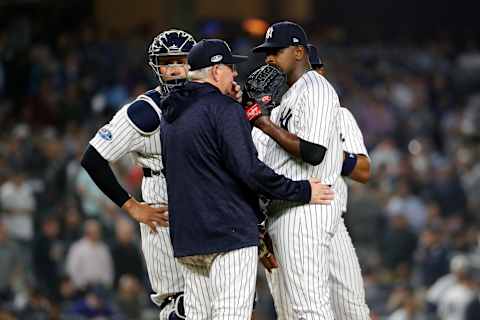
(450, 295)
(453, 304)
(89, 261)
(11, 265)
(386, 154)
(18, 204)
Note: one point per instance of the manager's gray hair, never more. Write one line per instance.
(200, 74)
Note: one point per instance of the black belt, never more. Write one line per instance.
(147, 172)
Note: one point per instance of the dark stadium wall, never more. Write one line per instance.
(121, 16)
(358, 21)
(386, 20)
(392, 21)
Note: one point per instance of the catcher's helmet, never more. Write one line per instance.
(170, 43)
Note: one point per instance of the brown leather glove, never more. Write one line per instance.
(265, 250)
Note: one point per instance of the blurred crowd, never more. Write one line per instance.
(66, 252)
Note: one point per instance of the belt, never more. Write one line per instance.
(147, 172)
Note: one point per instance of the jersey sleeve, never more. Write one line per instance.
(260, 140)
(319, 108)
(240, 159)
(117, 138)
(352, 138)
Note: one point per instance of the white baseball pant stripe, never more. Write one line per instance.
(346, 284)
(164, 271)
(302, 248)
(227, 292)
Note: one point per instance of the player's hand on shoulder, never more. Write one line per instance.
(147, 213)
(321, 193)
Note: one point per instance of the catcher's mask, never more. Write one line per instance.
(169, 44)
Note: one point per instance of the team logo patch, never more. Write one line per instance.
(269, 33)
(285, 117)
(216, 58)
(105, 134)
(266, 99)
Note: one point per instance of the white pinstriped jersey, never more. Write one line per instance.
(117, 139)
(346, 284)
(309, 109)
(260, 140)
(302, 234)
(352, 142)
(121, 137)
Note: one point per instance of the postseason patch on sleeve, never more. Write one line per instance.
(105, 134)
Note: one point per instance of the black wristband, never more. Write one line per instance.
(349, 163)
(307, 191)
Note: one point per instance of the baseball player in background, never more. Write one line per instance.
(305, 141)
(346, 284)
(134, 130)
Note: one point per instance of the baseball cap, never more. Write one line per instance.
(315, 60)
(282, 35)
(212, 51)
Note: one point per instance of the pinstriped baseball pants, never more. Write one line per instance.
(302, 246)
(227, 291)
(346, 283)
(164, 271)
(347, 292)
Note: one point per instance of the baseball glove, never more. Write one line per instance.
(264, 89)
(265, 250)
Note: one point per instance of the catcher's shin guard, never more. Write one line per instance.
(172, 307)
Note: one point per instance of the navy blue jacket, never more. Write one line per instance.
(213, 173)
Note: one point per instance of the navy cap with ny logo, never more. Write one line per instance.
(212, 51)
(282, 35)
